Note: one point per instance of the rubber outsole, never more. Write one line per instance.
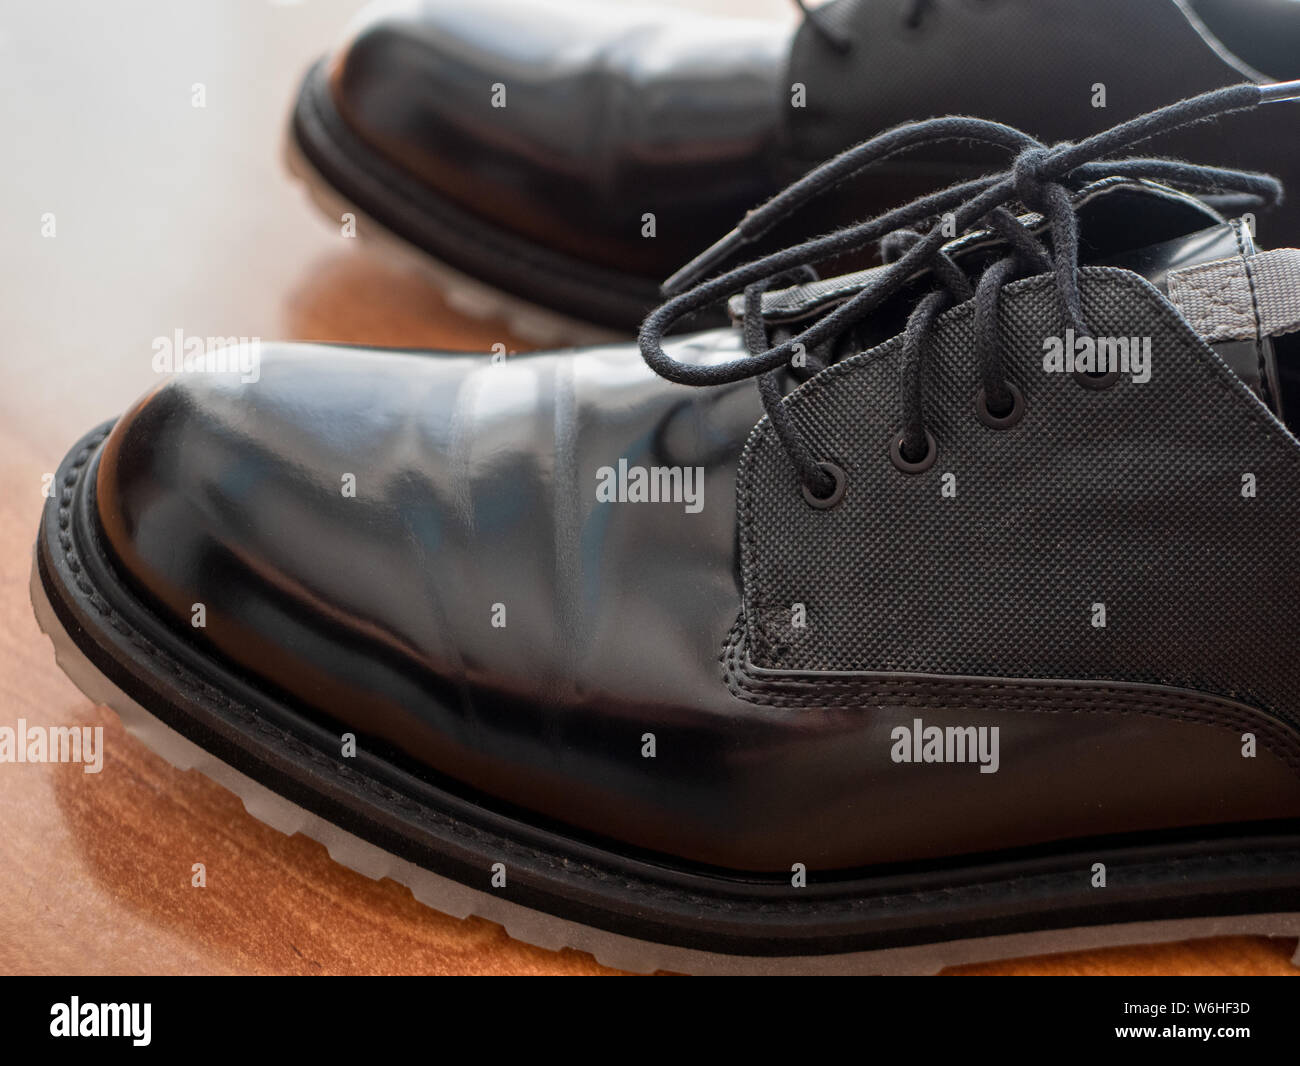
(86, 620)
(544, 296)
(537, 325)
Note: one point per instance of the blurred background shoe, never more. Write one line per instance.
(568, 155)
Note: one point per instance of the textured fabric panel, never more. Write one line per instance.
(1240, 298)
(1130, 497)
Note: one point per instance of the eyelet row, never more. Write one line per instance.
(982, 412)
(920, 466)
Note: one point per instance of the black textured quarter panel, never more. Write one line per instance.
(1130, 506)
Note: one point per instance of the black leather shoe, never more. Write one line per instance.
(979, 643)
(530, 144)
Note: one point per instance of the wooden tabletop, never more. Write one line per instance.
(167, 216)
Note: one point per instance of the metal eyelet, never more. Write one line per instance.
(825, 503)
(906, 465)
(1096, 382)
(1004, 421)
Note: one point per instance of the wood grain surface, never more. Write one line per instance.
(167, 216)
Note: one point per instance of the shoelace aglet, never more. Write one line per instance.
(714, 253)
(1279, 92)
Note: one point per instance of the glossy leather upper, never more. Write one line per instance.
(609, 112)
(476, 606)
(614, 112)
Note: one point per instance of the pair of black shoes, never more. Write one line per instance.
(966, 631)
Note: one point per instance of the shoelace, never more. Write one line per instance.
(912, 14)
(1041, 179)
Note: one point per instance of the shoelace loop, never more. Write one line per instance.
(1040, 178)
(1029, 176)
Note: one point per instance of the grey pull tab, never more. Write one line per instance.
(1241, 298)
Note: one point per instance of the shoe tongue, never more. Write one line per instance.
(1118, 218)
(1242, 302)
(1182, 269)
(1235, 297)
(1209, 268)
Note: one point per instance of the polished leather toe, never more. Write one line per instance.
(535, 115)
(473, 608)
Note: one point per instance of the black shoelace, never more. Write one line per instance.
(1041, 180)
